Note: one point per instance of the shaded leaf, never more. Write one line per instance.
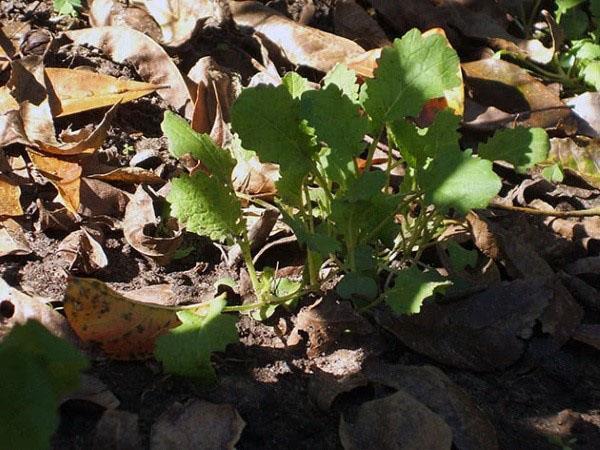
(12, 239)
(412, 287)
(579, 155)
(84, 254)
(356, 286)
(186, 349)
(122, 327)
(522, 147)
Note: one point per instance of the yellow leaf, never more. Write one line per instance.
(10, 193)
(124, 328)
(72, 91)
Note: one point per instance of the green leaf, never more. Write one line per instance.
(345, 79)
(564, 5)
(460, 257)
(206, 206)
(268, 122)
(355, 285)
(460, 181)
(412, 287)
(522, 147)
(414, 70)
(67, 7)
(595, 8)
(339, 125)
(417, 145)
(591, 74)
(553, 173)
(588, 51)
(36, 369)
(186, 350)
(184, 140)
(580, 155)
(295, 84)
(574, 23)
(367, 186)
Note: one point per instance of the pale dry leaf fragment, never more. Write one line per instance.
(114, 13)
(17, 307)
(302, 45)
(139, 220)
(12, 239)
(150, 60)
(10, 193)
(83, 253)
(399, 422)
(255, 178)
(178, 19)
(197, 425)
(587, 109)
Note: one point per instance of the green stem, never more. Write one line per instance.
(244, 244)
(372, 149)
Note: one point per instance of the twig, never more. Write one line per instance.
(549, 212)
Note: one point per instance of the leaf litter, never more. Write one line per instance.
(73, 182)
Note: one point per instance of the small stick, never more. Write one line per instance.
(548, 213)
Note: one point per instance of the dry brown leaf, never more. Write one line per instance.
(64, 174)
(113, 13)
(102, 199)
(123, 328)
(54, 216)
(17, 307)
(506, 86)
(302, 45)
(141, 219)
(74, 91)
(91, 389)
(12, 239)
(197, 425)
(587, 109)
(7, 101)
(84, 254)
(255, 178)
(129, 175)
(150, 60)
(10, 193)
(350, 20)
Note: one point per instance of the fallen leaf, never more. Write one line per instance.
(113, 13)
(54, 216)
(255, 178)
(350, 20)
(486, 331)
(197, 425)
(578, 155)
(588, 334)
(118, 430)
(589, 265)
(123, 328)
(508, 87)
(102, 199)
(587, 109)
(471, 428)
(17, 307)
(302, 45)
(150, 60)
(129, 175)
(10, 193)
(92, 389)
(84, 254)
(140, 219)
(12, 239)
(397, 421)
(74, 91)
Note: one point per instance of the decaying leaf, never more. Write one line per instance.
(302, 45)
(114, 13)
(17, 307)
(397, 421)
(10, 192)
(12, 239)
(197, 424)
(141, 219)
(92, 389)
(255, 178)
(123, 328)
(579, 155)
(84, 254)
(74, 90)
(351, 21)
(150, 60)
(102, 199)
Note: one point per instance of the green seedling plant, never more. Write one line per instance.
(349, 215)
(67, 7)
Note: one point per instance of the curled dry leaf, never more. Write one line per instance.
(302, 45)
(141, 218)
(508, 87)
(102, 199)
(10, 192)
(12, 239)
(84, 254)
(398, 421)
(17, 307)
(123, 328)
(129, 175)
(197, 425)
(255, 178)
(74, 91)
(150, 60)
(53, 216)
